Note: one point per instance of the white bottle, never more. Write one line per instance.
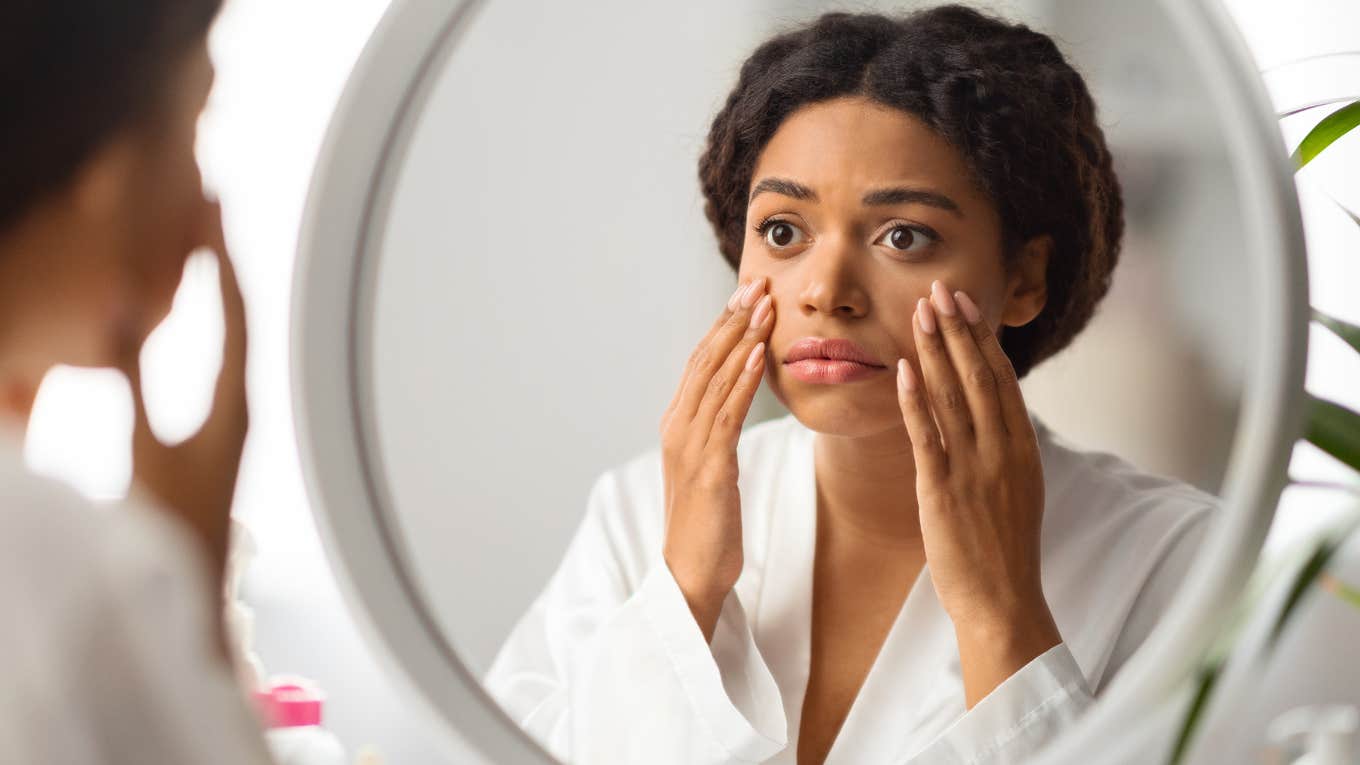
(292, 711)
(239, 618)
(1329, 733)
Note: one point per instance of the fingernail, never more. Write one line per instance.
(749, 296)
(904, 374)
(925, 315)
(970, 309)
(762, 310)
(942, 299)
(736, 295)
(754, 358)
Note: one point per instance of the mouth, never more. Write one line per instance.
(834, 360)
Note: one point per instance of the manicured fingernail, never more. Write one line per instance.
(926, 315)
(749, 296)
(754, 358)
(970, 309)
(904, 374)
(762, 310)
(942, 299)
(736, 295)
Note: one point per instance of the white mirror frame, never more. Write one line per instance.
(344, 219)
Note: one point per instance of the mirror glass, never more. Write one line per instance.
(545, 268)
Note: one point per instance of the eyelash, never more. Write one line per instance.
(768, 221)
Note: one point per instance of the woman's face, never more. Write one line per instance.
(854, 209)
(138, 211)
(167, 212)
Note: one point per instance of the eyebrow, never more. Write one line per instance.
(895, 195)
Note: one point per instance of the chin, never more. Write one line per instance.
(848, 410)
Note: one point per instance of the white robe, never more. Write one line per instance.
(107, 654)
(608, 664)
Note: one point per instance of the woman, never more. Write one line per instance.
(919, 211)
(115, 650)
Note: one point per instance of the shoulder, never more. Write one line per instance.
(1093, 495)
(94, 557)
(1114, 535)
(56, 536)
(640, 479)
(115, 639)
(761, 441)
(626, 501)
(112, 586)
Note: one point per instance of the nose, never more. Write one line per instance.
(830, 282)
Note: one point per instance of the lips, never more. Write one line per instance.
(830, 349)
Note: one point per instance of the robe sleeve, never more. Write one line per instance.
(1019, 717)
(1032, 707)
(598, 674)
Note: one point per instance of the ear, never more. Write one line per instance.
(1027, 288)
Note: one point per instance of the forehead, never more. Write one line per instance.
(847, 145)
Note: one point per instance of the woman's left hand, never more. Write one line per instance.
(980, 488)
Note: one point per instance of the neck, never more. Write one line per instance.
(866, 487)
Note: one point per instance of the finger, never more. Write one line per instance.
(931, 460)
(721, 383)
(943, 390)
(229, 395)
(1014, 413)
(726, 429)
(233, 314)
(973, 369)
(728, 310)
(712, 355)
(143, 439)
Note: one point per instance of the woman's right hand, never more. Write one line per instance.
(699, 433)
(196, 479)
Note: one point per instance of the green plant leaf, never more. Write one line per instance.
(1305, 483)
(1208, 676)
(1340, 589)
(1349, 213)
(1333, 429)
(1313, 105)
(1304, 579)
(1323, 134)
(1312, 568)
(1348, 332)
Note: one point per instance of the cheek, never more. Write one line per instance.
(173, 229)
(896, 315)
(157, 265)
(89, 307)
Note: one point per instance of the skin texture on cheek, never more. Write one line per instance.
(864, 406)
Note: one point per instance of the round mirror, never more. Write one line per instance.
(528, 216)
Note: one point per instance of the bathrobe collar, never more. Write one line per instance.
(783, 624)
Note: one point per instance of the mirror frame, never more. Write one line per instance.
(345, 215)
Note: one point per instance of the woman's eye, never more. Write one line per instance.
(903, 237)
(781, 234)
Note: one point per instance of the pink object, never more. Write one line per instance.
(290, 704)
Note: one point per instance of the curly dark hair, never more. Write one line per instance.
(1000, 93)
(77, 72)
